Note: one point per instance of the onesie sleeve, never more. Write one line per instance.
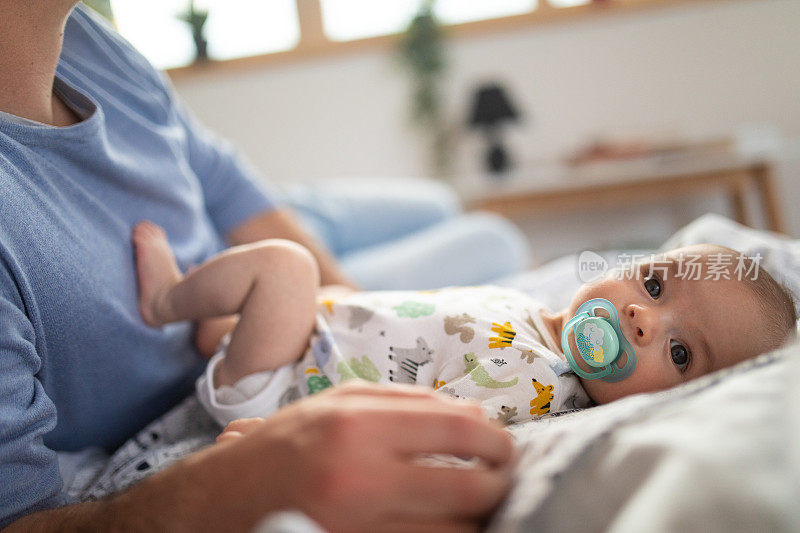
(28, 469)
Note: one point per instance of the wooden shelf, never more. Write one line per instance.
(627, 182)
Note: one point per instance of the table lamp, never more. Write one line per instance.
(490, 108)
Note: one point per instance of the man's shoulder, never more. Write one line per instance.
(91, 43)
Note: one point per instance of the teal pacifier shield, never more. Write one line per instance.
(597, 342)
(600, 343)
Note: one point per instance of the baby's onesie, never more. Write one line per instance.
(483, 343)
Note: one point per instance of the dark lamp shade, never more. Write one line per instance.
(491, 106)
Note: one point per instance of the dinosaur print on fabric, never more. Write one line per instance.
(355, 368)
(481, 377)
(412, 309)
(454, 340)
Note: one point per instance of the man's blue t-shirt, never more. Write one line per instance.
(78, 367)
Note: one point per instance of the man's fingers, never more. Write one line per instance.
(405, 526)
(362, 388)
(239, 428)
(228, 436)
(445, 493)
(244, 425)
(413, 426)
(446, 430)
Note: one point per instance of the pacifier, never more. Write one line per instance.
(600, 342)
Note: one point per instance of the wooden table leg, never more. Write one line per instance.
(765, 184)
(738, 196)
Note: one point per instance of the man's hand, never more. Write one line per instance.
(347, 458)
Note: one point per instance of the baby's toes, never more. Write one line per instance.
(139, 233)
(148, 231)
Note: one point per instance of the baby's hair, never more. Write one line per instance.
(775, 299)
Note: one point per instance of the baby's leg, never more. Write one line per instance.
(272, 284)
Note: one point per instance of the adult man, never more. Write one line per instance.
(91, 141)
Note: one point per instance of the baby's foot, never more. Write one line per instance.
(156, 271)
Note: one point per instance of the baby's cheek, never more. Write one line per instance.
(650, 375)
(609, 289)
(596, 289)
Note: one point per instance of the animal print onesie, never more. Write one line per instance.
(485, 343)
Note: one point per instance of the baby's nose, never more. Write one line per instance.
(641, 324)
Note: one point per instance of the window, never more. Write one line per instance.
(345, 20)
(278, 29)
(568, 3)
(235, 28)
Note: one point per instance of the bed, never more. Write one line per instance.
(716, 454)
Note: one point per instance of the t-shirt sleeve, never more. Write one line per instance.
(233, 189)
(28, 469)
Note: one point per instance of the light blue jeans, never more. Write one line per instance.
(408, 234)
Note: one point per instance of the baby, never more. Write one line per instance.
(643, 329)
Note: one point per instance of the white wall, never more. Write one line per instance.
(703, 70)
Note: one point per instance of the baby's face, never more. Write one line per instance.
(680, 327)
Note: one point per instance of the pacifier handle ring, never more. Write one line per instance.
(625, 371)
(609, 308)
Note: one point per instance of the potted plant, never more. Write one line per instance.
(196, 18)
(421, 52)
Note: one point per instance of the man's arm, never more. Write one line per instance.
(345, 457)
(281, 224)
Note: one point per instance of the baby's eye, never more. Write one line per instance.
(680, 355)
(653, 286)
